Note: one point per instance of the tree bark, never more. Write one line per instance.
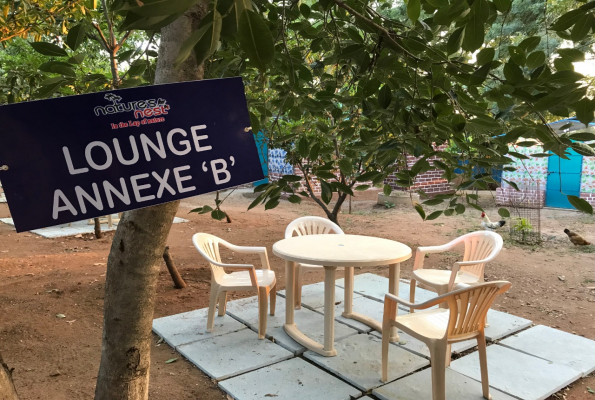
(97, 224)
(134, 260)
(173, 271)
(7, 390)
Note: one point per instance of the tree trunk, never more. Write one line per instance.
(173, 271)
(7, 390)
(134, 260)
(97, 224)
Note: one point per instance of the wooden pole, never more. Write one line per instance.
(97, 223)
(173, 271)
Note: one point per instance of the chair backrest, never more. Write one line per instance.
(208, 247)
(469, 306)
(481, 245)
(312, 226)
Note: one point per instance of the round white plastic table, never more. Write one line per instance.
(332, 251)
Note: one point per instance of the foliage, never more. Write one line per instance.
(389, 205)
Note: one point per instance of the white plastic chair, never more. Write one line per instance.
(463, 319)
(480, 248)
(308, 226)
(247, 278)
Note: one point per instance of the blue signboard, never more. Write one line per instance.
(80, 157)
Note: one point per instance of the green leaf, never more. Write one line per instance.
(171, 360)
(385, 96)
(503, 5)
(567, 20)
(291, 178)
(478, 208)
(341, 187)
(209, 42)
(137, 67)
(529, 44)
(305, 10)
(345, 166)
(573, 55)
(581, 28)
(303, 147)
(413, 9)
(48, 90)
(49, 49)
(513, 73)
(455, 41)
(582, 136)
(535, 59)
(580, 204)
(76, 36)
(326, 192)
(156, 8)
(504, 213)
(420, 210)
(434, 215)
(474, 33)
(485, 56)
(460, 208)
(433, 202)
(583, 149)
(517, 55)
(584, 110)
(353, 51)
(387, 189)
(295, 199)
(255, 39)
(361, 188)
(257, 200)
(272, 203)
(188, 45)
(76, 59)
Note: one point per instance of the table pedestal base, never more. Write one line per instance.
(294, 333)
(371, 322)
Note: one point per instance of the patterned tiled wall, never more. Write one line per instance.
(534, 170)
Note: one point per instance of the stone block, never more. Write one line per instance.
(313, 295)
(418, 386)
(358, 361)
(311, 323)
(232, 354)
(192, 326)
(518, 374)
(555, 345)
(293, 379)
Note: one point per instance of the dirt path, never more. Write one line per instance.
(58, 358)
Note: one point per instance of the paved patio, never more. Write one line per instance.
(526, 363)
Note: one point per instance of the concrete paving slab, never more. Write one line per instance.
(293, 379)
(502, 324)
(409, 343)
(555, 345)
(313, 295)
(311, 323)
(191, 326)
(75, 228)
(518, 374)
(224, 356)
(418, 386)
(376, 286)
(358, 361)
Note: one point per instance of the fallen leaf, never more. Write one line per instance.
(590, 390)
(171, 360)
(403, 342)
(78, 236)
(271, 395)
(70, 322)
(57, 373)
(60, 316)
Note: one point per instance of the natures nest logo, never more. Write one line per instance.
(141, 108)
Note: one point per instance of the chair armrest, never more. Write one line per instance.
(262, 251)
(421, 252)
(419, 306)
(241, 267)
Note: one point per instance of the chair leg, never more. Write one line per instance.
(273, 297)
(212, 306)
(222, 303)
(262, 311)
(412, 285)
(483, 363)
(297, 293)
(385, 347)
(448, 355)
(438, 363)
